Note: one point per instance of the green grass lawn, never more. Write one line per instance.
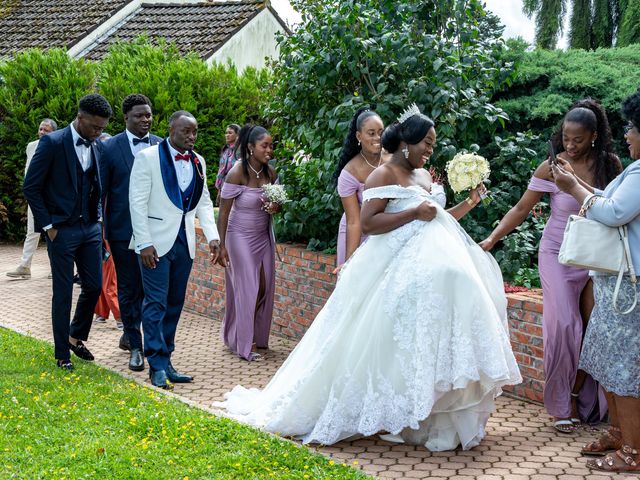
(96, 424)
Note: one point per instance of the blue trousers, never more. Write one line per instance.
(130, 292)
(164, 290)
(81, 244)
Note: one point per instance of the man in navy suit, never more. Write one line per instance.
(63, 188)
(168, 190)
(117, 161)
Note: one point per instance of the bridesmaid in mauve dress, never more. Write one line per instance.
(248, 247)
(570, 395)
(360, 155)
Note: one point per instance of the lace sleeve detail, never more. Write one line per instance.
(387, 191)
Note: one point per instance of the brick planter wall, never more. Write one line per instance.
(304, 282)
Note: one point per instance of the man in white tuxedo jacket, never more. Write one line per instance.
(168, 189)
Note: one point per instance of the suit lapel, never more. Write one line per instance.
(199, 181)
(169, 177)
(71, 156)
(125, 149)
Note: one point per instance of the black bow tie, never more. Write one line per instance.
(82, 141)
(137, 140)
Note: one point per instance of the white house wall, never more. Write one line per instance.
(249, 47)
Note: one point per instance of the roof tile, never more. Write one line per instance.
(200, 27)
(51, 23)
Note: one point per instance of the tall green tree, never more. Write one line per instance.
(549, 15)
(593, 23)
(602, 24)
(629, 32)
(580, 25)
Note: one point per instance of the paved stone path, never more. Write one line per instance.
(520, 443)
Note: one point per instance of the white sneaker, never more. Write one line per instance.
(99, 319)
(21, 272)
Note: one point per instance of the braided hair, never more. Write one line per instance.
(592, 116)
(250, 135)
(350, 147)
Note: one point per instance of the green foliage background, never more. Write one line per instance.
(36, 84)
(550, 81)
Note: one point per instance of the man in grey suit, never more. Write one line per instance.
(33, 237)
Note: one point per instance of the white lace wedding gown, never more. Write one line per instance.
(414, 341)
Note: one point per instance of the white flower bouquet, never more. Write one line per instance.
(274, 193)
(466, 171)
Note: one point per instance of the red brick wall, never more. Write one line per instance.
(304, 282)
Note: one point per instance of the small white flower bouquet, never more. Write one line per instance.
(466, 171)
(275, 193)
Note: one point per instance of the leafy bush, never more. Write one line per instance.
(36, 84)
(387, 53)
(549, 82)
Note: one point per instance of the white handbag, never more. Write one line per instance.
(592, 245)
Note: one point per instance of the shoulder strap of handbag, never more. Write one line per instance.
(626, 262)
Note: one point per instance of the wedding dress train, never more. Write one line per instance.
(413, 341)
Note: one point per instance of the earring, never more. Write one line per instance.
(251, 153)
(593, 143)
(405, 151)
(358, 142)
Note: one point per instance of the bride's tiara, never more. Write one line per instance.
(408, 113)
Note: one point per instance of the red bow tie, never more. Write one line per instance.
(183, 156)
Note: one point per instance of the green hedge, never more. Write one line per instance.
(550, 81)
(36, 84)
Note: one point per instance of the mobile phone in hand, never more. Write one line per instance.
(552, 154)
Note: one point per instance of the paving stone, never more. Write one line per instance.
(520, 442)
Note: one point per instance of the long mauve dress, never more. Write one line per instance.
(251, 248)
(347, 186)
(561, 320)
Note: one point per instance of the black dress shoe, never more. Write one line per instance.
(81, 351)
(177, 377)
(136, 360)
(65, 364)
(124, 343)
(159, 379)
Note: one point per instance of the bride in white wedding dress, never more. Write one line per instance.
(414, 339)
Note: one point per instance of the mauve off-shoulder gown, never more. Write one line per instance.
(251, 248)
(347, 186)
(561, 320)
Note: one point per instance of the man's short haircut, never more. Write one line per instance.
(95, 104)
(51, 122)
(134, 99)
(180, 113)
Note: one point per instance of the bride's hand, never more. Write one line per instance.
(426, 211)
(476, 193)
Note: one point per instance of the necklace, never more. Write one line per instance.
(367, 161)
(256, 171)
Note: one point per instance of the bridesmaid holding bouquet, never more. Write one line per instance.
(248, 246)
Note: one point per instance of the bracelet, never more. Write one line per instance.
(471, 202)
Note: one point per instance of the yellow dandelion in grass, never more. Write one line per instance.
(355, 462)
(305, 476)
(332, 463)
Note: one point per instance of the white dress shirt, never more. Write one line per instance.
(140, 146)
(184, 170)
(83, 152)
